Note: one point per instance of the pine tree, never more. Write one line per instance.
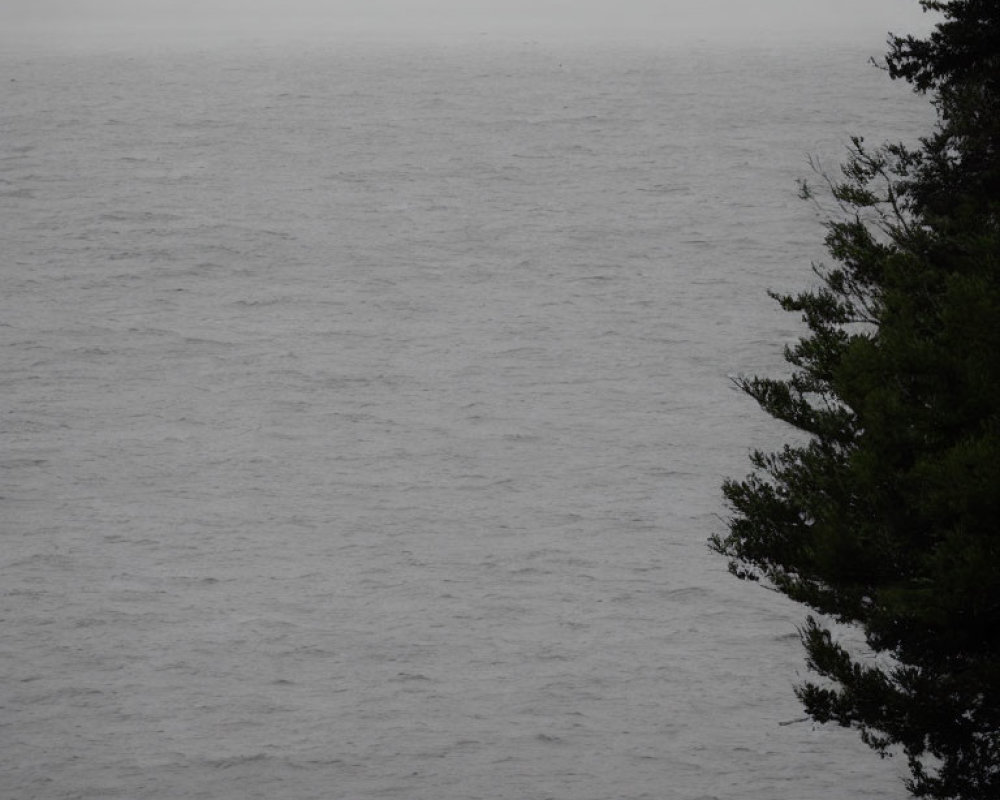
(888, 516)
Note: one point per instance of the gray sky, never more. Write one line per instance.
(865, 20)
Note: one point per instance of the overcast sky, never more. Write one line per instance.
(867, 20)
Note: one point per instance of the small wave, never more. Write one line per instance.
(269, 301)
(237, 761)
(668, 188)
(412, 676)
(686, 594)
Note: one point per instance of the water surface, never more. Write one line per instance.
(365, 413)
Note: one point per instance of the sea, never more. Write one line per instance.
(364, 410)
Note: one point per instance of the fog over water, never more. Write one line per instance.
(365, 410)
(121, 23)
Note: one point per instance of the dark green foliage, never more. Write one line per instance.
(888, 517)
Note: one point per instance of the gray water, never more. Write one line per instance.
(365, 410)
